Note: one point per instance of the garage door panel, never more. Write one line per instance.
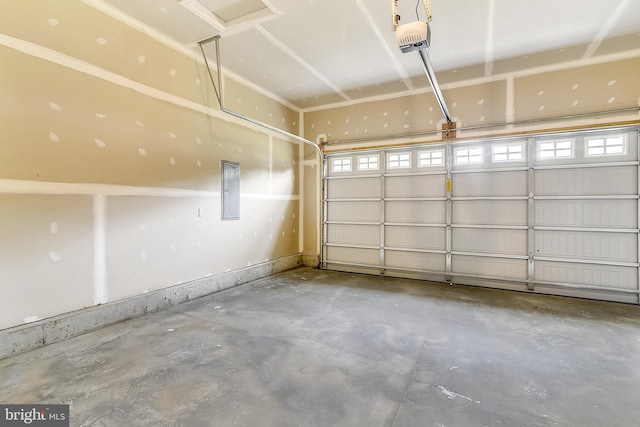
(587, 181)
(587, 213)
(415, 261)
(354, 211)
(555, 213)
(490, 183)
(490, 212)
(589, 294)
(362, 235)
(353, 188)
(421, 212)
(506, 242)
(415, 186)
(355, 256)
(600, 246)
(598, 275)
(490, 267)
(415, 237)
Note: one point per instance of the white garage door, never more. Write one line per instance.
(554, 214)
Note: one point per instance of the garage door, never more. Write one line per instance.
(553, 214)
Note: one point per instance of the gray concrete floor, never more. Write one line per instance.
(314, 348)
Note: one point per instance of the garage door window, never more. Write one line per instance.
(399, 160)
(468, 155)
(430, 158)
(508, 153)
(368, 163)
(341, 165)
(606, 145)
(560, 149)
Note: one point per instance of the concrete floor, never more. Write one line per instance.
(314, 348)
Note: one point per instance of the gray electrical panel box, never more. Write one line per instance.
(230, 190)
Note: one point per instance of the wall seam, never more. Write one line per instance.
(100, 289)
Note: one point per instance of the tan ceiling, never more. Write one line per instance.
(317, 52)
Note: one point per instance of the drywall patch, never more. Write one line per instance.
(142, 59)
(101, 116)
(53, 22)
(53, 228)
(172, 161)
(55, 256)
(142, 152)
(54, 106)
(53, 137)
(139, 123)
(101, 41)
(100, 143)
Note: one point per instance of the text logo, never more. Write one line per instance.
(34, 415)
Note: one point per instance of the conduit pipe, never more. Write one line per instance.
(220, 97)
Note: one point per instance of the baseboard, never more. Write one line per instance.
(27, 337)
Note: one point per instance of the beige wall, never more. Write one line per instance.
(110, 170)
(112, 142)
(562, 89)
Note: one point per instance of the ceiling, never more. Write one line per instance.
(314, 53)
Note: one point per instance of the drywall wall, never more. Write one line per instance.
(562, 89)
(111, 144)
(312, 205)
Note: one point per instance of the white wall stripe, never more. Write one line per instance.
(270, 164)
(383, 39)
(56, 57)
(10, 186)
(301, 193)
(100, 287)
(510, 113)
(489, 56)
(256, 196)
(606, 28)
(283, 47)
